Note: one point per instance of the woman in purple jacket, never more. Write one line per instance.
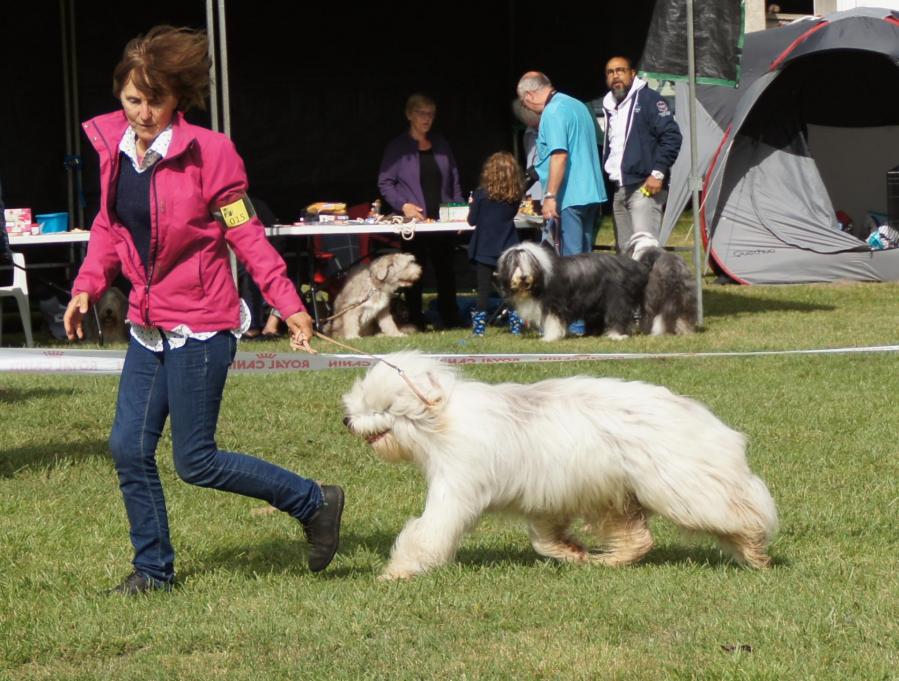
(418, 173)
(173, 199)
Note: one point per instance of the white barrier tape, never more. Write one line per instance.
(111, 361)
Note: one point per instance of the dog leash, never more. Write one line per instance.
(348, 308)
(405, 230)
(398, 370)
(45, 282)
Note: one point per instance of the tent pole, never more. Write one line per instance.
(76, 127)
(213, 80)
(695, 180)
(67, 99)
(223, 68)
(226, 101)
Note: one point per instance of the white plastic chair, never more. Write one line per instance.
(19, 291)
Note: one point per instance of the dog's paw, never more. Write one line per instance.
(394, 574)
(615, 335)
(552, 337)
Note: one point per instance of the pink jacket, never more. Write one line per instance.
(188, 277)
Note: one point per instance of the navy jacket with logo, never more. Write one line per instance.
(653, 141)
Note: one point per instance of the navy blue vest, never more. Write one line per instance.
(132, 205)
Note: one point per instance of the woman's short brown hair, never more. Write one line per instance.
(418, 101)
(502, 178)
(167, 61)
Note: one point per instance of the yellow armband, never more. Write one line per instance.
(234, 212)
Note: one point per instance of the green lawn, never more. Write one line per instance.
(822, 433)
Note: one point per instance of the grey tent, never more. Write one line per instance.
(812, 129)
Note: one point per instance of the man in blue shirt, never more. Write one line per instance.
(567, 161)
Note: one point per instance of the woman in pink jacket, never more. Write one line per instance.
(173, 199)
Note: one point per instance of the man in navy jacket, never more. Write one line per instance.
(641, 143)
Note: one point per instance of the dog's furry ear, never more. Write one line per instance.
(435, 386)
(435, 393)
(380, 268)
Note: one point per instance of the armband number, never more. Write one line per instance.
(236, 213)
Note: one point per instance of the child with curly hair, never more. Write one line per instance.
(492, 212)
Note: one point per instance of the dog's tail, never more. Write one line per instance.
(709, 487)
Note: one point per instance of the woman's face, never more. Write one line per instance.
(421, 118)
(147, 117)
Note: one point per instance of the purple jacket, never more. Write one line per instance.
(399, 177)
(189, 278)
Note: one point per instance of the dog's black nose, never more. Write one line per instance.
(346, 421)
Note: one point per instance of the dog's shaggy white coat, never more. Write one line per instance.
(363, 304)
(607, 451)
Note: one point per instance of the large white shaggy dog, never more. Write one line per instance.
(669, 299)
(603, 450)
(363, 305)
(552, 291)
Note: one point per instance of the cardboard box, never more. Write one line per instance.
(17, 216)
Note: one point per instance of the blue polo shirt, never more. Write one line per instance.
(567, 125)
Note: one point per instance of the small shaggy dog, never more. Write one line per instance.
(669, 300)
(363, 305)
(112, 311)
(607, 451)
(552, 291)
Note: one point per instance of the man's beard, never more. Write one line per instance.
(619, 93)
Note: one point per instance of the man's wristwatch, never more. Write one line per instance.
(658, 174)
(549, 196)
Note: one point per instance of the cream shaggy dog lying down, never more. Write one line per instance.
(363, 305)
(607, 451)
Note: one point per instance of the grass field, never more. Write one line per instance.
(822, 433)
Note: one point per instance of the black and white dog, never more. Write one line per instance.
(669, 300)
(551, 291)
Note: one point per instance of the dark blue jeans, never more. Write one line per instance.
(579, 228)
(186, 384)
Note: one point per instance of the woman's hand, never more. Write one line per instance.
(76, 309)
(299, 325)
(410, 210)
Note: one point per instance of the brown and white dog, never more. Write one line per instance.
(112, 311)
(362, 308)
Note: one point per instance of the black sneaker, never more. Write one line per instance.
(323, 529)
(139, 583)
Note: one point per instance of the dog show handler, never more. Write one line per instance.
(173, 199)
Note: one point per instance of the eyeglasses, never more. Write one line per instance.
(618, 70)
